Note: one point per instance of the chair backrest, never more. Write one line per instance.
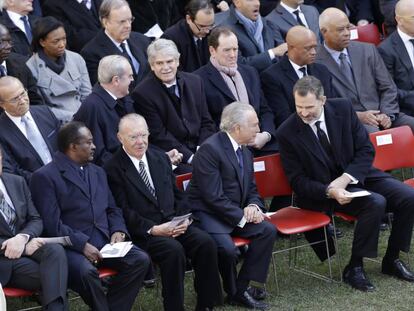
(394, 148)
(270, 177)
(183, 180)
(369, 33)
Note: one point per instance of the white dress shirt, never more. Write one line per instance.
(408, 45)
(135, 161)
(297, 67)
(15, 17)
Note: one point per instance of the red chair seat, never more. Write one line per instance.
(240, 241)
(17, 292)
(291, 220)
(409, 182)
(345, 217)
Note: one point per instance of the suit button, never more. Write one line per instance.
(162, 211)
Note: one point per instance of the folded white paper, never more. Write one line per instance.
(116, 250)
(179, 220)
(357, 194)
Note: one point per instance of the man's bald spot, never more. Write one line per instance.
(7, 82)
(403, 7)
(130, 120)
(297, 35)
(329, 16)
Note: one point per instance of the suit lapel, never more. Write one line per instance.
(140, 57)
(15, 131)
(403, 54)
(333, 122)
(328, 61)
(13, 195)
(289, 70)
(286, 16)
(357, 67)
(42, 130)
(231, 155)
(217, 80)
(69, 173)
(134, 177)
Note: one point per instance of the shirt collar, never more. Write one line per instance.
(404, 37)
(136, 160)
(170, 84)
(289, 9)
(15, 17)
(234, 144)
(19, 119)
(117, 44)
(321, 118)
(296, 66)
(335, 54)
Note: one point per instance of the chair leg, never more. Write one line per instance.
(275, 274)
(327, 252)
(336, 245)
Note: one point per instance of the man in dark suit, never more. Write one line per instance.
(358, 11)
(397, 51)
(117, 38)
(144, 187)
(278, 80)
(257, 44)
(173, 104)
(28, 134)
(190, 34)
(73, 198)
(225, 82)
(289, 13)
(224, 198)
(359, 73)
(25, 260)
(13, 64)
(17, 19)
(326, 154)
(107, 104)
(81, 20)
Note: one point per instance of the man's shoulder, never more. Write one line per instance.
(175, 31)
(386, 45)
(12, 178)
(140, 39)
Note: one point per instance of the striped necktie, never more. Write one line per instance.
(8, 212)
(145, 178)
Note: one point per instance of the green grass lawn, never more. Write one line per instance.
(298, 291)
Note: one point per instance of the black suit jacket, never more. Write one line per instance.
(16, 67)
(99, 114)
(81, 24)
(304, 162)
(218, 95)
(168, 129)
(249, 51)
(23, 157)
(218, 191)
(399, 65)
(140, 209)
(278, 81)
(101, 46)
(28, 219)
(19, 39)
(182, 36)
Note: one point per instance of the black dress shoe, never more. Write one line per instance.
(398, 269)
(357, 279)
(330, 231)
(244, 299)
(258, 293)
(149, 283)
(383, 226)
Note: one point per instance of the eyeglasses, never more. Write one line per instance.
(203, 27)
(125, 21)
(7, 41)
(18, 98)
(133, 138)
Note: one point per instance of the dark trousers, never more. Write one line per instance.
(256, 260)
(124, 287)
(170, 254)
(47, 270)
(387, 195)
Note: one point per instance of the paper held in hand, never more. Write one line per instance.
(357, 194)
(179, 220)
(116, 250)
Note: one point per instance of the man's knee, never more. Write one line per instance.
(55, 252)
(269, 230)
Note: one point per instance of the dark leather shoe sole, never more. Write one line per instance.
(390, 269)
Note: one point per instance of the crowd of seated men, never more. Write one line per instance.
(104, 102)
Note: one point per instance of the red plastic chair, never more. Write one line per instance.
(394, 149)
(182, 181)
(369, 33)
(271, 181)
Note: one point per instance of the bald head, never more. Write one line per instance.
(302, 45)
(133, 134)
(8, 82)
(335, 28)
(404, 15)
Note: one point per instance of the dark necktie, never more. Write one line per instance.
(8, 212)
(299, 20)
(303, 70)
(346, 69)
(2, 71)
(145, 178)
(128, 57)
(323, 140)
(199, 44)
(175, 98)
(27, 28)
(239, 154)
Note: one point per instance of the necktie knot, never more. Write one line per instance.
(303, 70)
(298, 19)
